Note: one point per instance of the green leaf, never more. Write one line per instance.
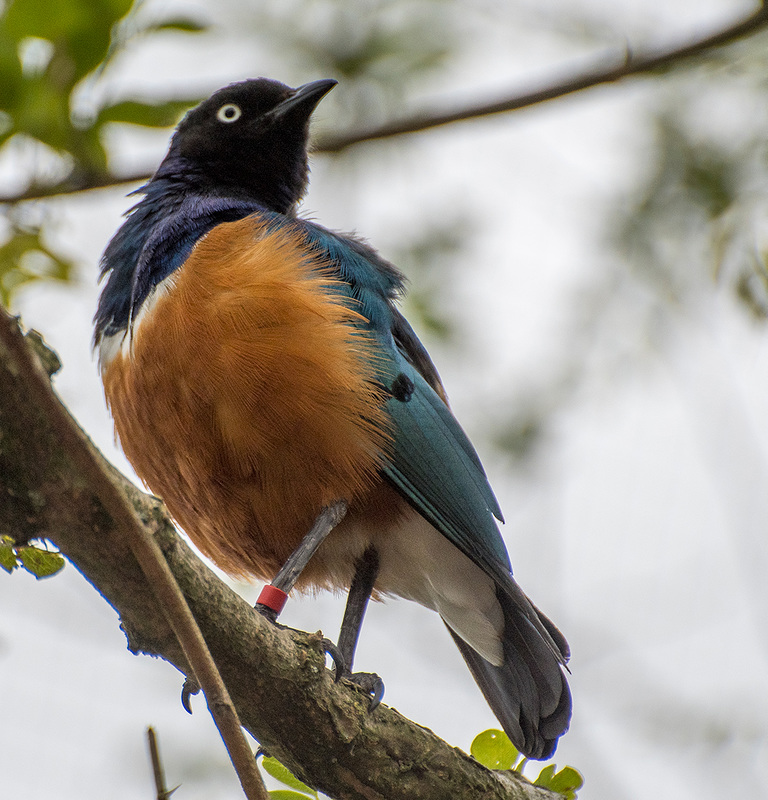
(41, 563)
(274, 768)
(287, 794)
(493, 749)
(150, 115)
(566, 782)
(8, 560)
(545, 776)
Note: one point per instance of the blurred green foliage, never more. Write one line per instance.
(693, 223)
(24, 257)
(50, 52)
(688, 229)
(381, 51)
(689, 186)
(433, 255)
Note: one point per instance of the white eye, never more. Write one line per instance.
(229, 113)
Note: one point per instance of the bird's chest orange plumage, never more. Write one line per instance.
(243, 396)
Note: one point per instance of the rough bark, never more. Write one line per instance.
(285, 696)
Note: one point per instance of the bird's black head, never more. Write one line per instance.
(248, 140)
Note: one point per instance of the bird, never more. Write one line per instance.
(263, 382)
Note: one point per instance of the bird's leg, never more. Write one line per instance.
(366, 571)
(273, 595)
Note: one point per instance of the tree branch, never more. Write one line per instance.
(277, 678)
(628, 65)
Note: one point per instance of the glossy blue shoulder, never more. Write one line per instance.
(374, 283)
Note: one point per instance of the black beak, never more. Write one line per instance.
(303, 101)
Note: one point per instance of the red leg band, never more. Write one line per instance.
(273, 598)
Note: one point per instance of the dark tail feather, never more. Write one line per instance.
(529, 692)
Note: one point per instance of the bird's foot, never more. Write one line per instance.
(269, 613)
(371, 683)
(339, 665)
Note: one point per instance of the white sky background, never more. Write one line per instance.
(642, 533)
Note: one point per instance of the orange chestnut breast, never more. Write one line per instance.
(243, 397)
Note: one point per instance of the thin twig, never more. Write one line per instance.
(149, 556)
(629, 64)
(157, 766)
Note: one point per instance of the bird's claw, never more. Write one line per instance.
(189, 689)
(369, 682)
(339, 664)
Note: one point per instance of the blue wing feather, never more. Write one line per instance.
(436, 468)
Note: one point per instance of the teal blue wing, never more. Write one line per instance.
(435, 467)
